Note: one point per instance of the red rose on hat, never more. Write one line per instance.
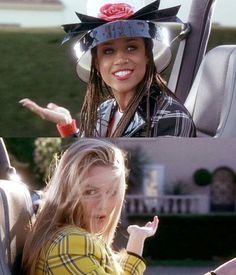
(113, 12)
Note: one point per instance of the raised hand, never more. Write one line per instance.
(138, 234)
(52, 112)
(148, 230)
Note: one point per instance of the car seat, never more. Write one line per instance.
(15, 218)
(212, 98)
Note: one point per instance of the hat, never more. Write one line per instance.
(120, 20)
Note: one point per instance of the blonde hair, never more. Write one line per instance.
(62, 202)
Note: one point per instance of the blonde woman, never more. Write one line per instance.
(75, 227)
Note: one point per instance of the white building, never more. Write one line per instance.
(31, 13)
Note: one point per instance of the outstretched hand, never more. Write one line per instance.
(138, 235)
(148, 230)
(52, 112)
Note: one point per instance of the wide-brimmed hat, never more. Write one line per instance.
(119, 20)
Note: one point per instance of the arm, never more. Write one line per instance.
(171, 118)
(174, 124)
(53, 113)
(132, 262)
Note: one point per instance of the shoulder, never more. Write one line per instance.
(74, 240)
(170, 117)
(172, 105)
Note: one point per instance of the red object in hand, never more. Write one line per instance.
(113, 12)
(67, 130)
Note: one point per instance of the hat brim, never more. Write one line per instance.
(162, 52)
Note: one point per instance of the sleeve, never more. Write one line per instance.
(171, 118)
(132, 264)
(76, 254)
(176, 124)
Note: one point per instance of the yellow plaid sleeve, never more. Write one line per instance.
(75, 253)
(132, 264)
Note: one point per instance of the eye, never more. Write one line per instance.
(108, 51)
(90, 192)
(132, 48)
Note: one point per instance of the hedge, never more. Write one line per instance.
(196, 237)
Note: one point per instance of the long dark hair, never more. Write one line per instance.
(98, 92)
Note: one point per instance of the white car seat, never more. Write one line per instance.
(212, 98)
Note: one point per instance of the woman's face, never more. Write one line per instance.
(99, 197)
(122, 63)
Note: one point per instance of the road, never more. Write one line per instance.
(178, 270)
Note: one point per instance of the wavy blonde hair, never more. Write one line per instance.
(62, 203)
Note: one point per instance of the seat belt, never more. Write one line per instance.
(172, 83)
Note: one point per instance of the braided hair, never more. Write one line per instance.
(98, 92)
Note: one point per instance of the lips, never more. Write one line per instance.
(123, 74)
(101, 218)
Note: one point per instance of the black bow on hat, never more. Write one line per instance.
(147, 13)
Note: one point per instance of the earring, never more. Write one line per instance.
(98, 74)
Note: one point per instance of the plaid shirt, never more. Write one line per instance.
(75, 251)
(168, 118)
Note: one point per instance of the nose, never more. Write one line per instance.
(105, 201)
(121, 58)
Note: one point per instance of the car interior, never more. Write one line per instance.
(16, 214)
(211, 99)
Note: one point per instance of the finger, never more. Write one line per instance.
(155, 223)
(148, 224)
(32, 106)
(54, 116)
(44, 113)
(59, 109)
(52, 105)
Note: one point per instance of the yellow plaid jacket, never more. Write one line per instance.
(75, 251)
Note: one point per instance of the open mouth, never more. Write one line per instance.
(101, 218)
(123, 74)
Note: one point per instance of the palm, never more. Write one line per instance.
(148, 230)
(52, 112)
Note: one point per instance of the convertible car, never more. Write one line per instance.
(200, 72)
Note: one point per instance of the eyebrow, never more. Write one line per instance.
(91, 186)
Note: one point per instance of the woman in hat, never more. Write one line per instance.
(126, 96)
(77, 220)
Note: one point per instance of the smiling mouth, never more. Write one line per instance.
(123, 74)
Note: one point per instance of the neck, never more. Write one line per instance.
(123, 99)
